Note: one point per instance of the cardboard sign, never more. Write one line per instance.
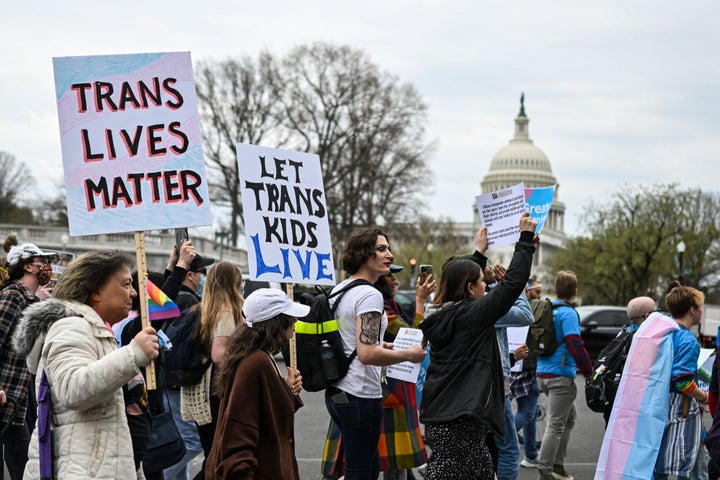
(131, 143)
(285, 213)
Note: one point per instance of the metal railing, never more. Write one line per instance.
(158, 244)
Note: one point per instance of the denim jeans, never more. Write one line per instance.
(15, 445)
(526, 417)
(508, 449)
(359, 420)
(561, 415)
(188, 432)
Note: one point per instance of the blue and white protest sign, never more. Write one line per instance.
(285, 213)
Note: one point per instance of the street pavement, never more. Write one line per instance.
(311, 423)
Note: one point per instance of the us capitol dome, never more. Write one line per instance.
(522, 161)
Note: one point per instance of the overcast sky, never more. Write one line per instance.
(616, 92)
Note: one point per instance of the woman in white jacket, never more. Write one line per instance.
(68, 337)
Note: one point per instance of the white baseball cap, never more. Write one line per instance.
(267, 303)
(24, 252)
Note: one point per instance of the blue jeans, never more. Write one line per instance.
(188, 432)
(526, 417)
(509, 449)
(359, 420)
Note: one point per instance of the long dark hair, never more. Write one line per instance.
(454, 279)
(269, 336)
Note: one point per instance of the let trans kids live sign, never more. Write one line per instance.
(286, 221)
(131, 143)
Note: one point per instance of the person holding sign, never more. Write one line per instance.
(355, 401)
(463, 398)
(67, 340)
(255, 436)
(401, 444)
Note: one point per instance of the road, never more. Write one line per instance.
(311, 425)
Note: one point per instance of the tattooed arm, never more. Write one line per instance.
(370, 350)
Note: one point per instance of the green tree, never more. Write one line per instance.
(631, 246)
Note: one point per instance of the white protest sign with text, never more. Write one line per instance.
(500, 212)
(131, 143)
(406, 371)
(286, 221)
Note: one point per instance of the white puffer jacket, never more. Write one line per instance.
(86, 371)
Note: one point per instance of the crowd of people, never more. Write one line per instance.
(74, 402)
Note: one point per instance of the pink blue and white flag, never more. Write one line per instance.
(635, 430)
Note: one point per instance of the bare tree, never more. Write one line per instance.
(367, 128)
(237, 103)
(15, 178)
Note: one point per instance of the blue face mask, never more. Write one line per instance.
(201, 285)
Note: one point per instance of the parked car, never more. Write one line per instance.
(599, 324)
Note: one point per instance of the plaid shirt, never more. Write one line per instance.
(14, 375)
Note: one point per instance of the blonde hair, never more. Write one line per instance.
(222, 291)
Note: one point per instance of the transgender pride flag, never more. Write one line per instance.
(635, 430)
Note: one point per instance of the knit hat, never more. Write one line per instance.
(25, 252)
(266, 303)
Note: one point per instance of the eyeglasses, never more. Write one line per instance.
(40, 261)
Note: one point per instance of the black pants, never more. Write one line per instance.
(15, 443)
(207, 432)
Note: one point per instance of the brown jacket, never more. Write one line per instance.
(255, 435)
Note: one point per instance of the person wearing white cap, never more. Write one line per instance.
(28, 270)
(255, 434)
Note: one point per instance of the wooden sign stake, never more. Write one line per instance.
(150, 382)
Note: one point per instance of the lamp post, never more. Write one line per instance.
(681, 252)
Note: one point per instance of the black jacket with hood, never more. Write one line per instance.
(465, 375)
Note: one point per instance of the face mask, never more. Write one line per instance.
(201, 285)
(44, 274)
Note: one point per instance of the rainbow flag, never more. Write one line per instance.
(632, 440)
(160, 306)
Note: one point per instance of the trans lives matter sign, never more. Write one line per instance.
(131, 145)
(286, 221)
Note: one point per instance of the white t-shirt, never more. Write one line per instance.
(361, 380)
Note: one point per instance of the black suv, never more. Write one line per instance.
(599, 324)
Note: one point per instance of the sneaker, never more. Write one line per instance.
(545, 476)
(528, 462)
(560, 474)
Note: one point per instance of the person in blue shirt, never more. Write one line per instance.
(681, 451)
(556, 378)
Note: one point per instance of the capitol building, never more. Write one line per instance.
(522, 161)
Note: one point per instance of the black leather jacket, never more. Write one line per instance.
(465, 375)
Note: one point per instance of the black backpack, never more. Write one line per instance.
(607, 372)
(541, 339)
(320, 356)
(183, 365)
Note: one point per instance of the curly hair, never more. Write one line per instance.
(88, 273)
(454, 279)
(359, 247)
(269, 336)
